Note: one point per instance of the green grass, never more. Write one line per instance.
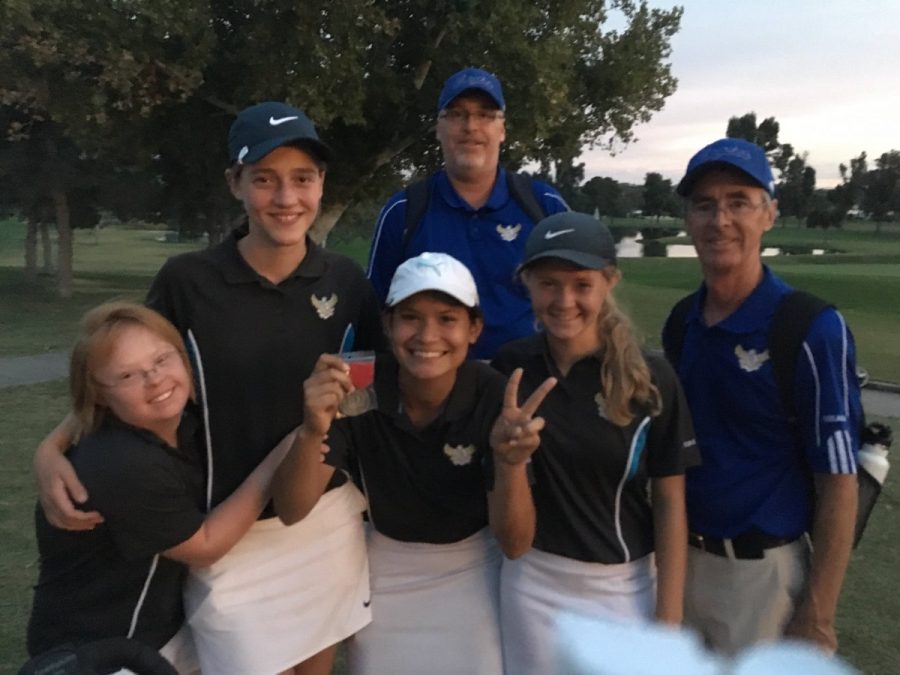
(28, 414)
(113, 264)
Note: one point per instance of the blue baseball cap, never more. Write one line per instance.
(471, 78)
(743, 155)
(261, 128)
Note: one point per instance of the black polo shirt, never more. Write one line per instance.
(425, 485)
(590, 476)
(94, 584)
(253, 342)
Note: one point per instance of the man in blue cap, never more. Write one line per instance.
(473, 209)
(776, 471)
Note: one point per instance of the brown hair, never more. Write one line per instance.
(233, 172)
(625, 377)
(475, 313)
(100, 328)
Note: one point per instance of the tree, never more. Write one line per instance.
(796, 188)
(569, 177)
(604, 195)
(79, 78)
(881, 195)
(765, 135)
(659, 197)
(848, 194)
(160, 81)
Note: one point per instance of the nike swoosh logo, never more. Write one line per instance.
(281, 120)
(550, 234)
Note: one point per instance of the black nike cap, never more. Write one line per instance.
(575, 237)
(261, 128)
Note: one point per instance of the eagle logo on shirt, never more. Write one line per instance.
(459, 455)
(324, 306)
(749, 359)
(509, 232)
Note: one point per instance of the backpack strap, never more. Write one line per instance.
(792, 320)
(673, 333)
(418, 194)
(521, 188)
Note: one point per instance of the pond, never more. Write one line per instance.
(636, 246)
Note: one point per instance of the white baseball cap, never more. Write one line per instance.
(433, 272)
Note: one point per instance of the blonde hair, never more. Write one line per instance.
(625, 380)
(100, 329)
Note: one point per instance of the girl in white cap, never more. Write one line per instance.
(256, 311)
(609, 475)
(423, 456)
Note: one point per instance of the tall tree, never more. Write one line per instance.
(881, 195)
(605, 195)
(796, 188)
(849, 193)
(659, 197)
(764, 134)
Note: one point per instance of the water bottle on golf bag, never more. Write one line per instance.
(873, 468)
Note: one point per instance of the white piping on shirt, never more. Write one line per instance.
(838, 445)
(818, 394)
(377, 237)
(553, 195)
(206, 430)
(844, 364)
(143, 596)
(618, 505)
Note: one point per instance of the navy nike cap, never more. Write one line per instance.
(575, 237)
(261, 128)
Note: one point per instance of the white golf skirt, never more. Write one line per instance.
(538, 587)
(283, 594)
(434, 609)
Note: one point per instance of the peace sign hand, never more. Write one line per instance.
(516, 433)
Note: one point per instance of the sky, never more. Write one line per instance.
(828, 71)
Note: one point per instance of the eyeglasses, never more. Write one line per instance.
(456, 116)
(129, 379)
(736, 207)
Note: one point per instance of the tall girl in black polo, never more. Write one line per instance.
(609, 476)
(423, 456)
(256, 311)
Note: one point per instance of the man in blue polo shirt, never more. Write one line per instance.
(471, 211)
(766, 479)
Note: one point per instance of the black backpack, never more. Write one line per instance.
(418, 195)
(793, 318)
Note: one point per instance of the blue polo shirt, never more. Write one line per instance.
(753, 473)
(490, 241)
